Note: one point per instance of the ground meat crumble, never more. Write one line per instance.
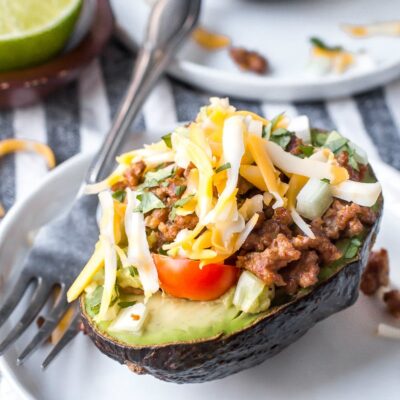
(275, 251)
(354, 174)
(164, 230)
(376, 273)
(392, 300)
(278, 253)
(249, 60)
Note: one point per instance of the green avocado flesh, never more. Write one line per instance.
(173, 320)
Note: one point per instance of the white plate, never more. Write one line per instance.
(280, 30)
(340, 358)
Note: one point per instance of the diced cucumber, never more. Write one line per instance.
(335, 141)
(252, 295)
(360, 155)
(334, 135)
(314, 199)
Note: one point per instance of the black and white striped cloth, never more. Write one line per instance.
(75, 118)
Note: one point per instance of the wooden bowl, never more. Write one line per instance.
(26, 86)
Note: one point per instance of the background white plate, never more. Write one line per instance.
(340, 358)
(279, 29)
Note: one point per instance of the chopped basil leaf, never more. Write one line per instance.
(94, 300)
(352, 248)
(147, 184)
(325, 180)
(162, 252)
(133, 271)
(167, 139)
(267, 130)
(282, 139)
(159, 175)
(179, 190)
(182, 202)
(179, 203)
(281, 132)
(318, 138)
(119, 195)
(223, 167)
(353, 163)
(126, 304)
(317, 42)
(148, 202)
(337, 144)
(307, 151)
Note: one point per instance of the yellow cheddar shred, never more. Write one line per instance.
(8, 146)
(95, 263)
(210, 40)
(253, 174)
(261, 157)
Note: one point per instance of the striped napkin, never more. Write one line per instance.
(75, 119)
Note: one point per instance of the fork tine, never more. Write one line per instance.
(45, 330)
(69, 334)
(14, 297)
(37, 302)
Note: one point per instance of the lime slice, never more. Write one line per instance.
(33, 31)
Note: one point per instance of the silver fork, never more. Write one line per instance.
(62, 247)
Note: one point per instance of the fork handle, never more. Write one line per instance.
(162, 40)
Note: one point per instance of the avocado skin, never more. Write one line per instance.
(216, 358)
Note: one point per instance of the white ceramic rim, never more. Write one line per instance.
(391, 176)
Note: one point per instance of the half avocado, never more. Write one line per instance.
(226, 241)
(192, 342)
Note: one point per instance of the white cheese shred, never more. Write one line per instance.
(388, 331)
(138, 248)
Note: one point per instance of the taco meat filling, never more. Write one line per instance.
(231, 208)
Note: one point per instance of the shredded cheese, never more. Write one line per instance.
(8, 146)
(258, 151)
(210, 40)
(308, 167)
(138, 247)
(107, 240)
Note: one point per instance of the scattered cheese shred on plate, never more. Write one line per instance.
(210, 40)
(8, 146)
(388, 331)
(387, 28)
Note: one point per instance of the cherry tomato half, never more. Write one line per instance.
(184, 278)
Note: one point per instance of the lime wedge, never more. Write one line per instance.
(33, 31)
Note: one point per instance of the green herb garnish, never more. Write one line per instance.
(337, 145)
(94, 301)
(179, 190)
(148, 202)
(318, 138)
(179, 203)
(307, 151)
(282, 137)
(133, 271)
(160, 174)
(223, 167)
(126, 304)
(167, 139)
(352, 248)
(119, 195)
(325, 180)
(317, 42)
(269, 129)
